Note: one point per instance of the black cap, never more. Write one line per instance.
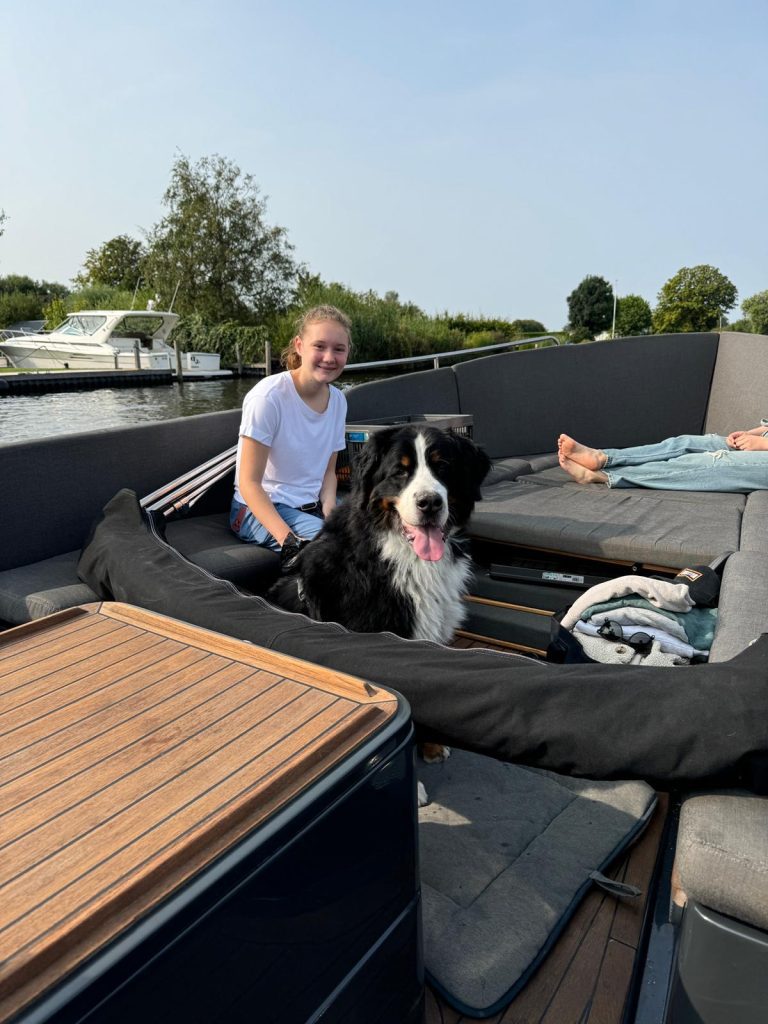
(703, 583)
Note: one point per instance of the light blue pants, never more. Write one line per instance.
(303, 524)
(691, 462)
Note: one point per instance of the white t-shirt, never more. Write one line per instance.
(301, 441)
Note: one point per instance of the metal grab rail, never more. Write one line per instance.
(437, 356)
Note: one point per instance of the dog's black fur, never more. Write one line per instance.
(363, 570)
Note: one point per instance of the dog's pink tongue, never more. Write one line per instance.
(428, 542)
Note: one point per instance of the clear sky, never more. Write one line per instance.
(475, 157)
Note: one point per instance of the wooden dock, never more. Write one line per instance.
(80, 380)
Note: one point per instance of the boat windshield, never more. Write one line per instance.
(81, 325)
(136, 326)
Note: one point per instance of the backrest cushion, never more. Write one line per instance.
(612, 393)
(427, 391)
(70, 478)
(739, 396)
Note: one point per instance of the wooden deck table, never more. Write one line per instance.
(136, 750)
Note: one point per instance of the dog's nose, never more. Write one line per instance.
(429, 503)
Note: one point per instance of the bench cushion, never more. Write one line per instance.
(39, 589)
(668, 528)
(51, 585)
(722, 854)
(208, 542)
(743, 604)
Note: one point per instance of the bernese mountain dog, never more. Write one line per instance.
(392, 557)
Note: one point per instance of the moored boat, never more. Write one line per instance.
(108, 340)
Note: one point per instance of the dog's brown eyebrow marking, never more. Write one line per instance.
(405, 460)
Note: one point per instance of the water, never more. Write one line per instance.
(26, 417)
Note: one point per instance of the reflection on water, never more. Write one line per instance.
(25, 417)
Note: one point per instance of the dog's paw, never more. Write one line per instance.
(434, 753)
(421, 795)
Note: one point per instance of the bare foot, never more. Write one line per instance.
(590, 458)
(580, 473)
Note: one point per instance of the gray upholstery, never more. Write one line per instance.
(754, 529)
(426, 391)
(41, 588)
(743, 605)
(618, 393)
(722, 854)
(738, 399)
(669, 528)
(208, 542)
(505, 854)
(75, 475)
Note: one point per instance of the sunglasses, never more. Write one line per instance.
(640, 642)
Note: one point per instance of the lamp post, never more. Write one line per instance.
(613, 325)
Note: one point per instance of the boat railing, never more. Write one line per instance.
(383, 364)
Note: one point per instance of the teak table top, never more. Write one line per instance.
(134, 749)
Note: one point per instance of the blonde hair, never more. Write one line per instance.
(290, 358)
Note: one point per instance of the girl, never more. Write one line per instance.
(292, 428)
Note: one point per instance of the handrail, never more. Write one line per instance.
(437, 356)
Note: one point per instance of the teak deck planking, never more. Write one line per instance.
(135, 750)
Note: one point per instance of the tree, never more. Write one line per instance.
(117, 263)
(695, 299)
(216, 247)
(633, 315)
(590, 306)
(756, 309)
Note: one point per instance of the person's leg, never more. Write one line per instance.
(661, 451)
(718, 470)
(669, 448)
(248, 528)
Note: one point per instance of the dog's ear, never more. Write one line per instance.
(473, 459)
(367, 462)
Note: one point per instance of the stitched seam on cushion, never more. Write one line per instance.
(754, 865)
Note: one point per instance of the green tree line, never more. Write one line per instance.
(233, 277)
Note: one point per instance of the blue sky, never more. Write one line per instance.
(475, 157)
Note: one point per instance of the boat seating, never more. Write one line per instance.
(622, 393)
(720, 901)
(75, 475)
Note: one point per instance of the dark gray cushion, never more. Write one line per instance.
(506, 852)
(624, 392)
(76, 475)
(738, 399)
(754, 528)
(42, 588)
(669, 528)
(722, 854)
(743, 604)
(427, 391)
(208, 542)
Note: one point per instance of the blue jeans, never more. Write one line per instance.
(303, 524)
(691, 462)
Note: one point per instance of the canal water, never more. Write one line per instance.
(26, 417)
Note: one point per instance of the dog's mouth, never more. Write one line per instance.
(428, 542)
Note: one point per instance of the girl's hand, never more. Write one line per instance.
(733, 438)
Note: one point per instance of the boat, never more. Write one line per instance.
(314, 908)
(108, 340)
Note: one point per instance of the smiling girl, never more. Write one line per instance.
(291, 430)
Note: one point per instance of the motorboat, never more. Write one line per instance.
(117, 339)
